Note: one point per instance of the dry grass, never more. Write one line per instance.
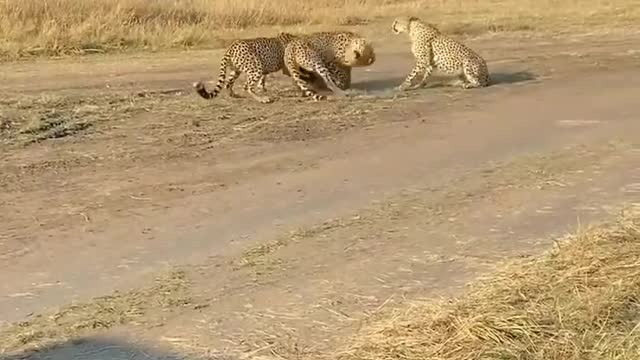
(54, 27)
(131, 307)
(581, 301)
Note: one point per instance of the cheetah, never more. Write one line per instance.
(341, 50)
(255, 57)
(432, 49)
(300, 55)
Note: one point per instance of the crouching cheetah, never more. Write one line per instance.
(256, 58)
(340, 50)
(300, 55)
(432, 49)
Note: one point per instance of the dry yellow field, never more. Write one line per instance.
(56, 27)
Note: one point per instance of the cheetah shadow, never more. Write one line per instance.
(443, 81)
(99, 348)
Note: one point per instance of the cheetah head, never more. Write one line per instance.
(359, 53)
(401, 24)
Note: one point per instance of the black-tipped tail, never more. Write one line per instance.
(202, 90)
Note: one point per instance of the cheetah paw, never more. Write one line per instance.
(340, 94)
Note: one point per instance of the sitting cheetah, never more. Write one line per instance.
(257, 58)
(300, 54)
(432, 49)
(341, 50)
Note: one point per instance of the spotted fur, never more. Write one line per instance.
(340, 50)
(256, 58)
(433, 50)
(300, 55)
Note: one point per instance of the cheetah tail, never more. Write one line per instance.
(202, 90)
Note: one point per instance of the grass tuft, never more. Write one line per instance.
(580, 301)
(168, 292)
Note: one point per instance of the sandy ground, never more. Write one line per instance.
(292, 222)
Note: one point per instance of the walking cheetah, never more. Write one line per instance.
(432, 49)
(256, 58)
(341, 50)
(300, 55)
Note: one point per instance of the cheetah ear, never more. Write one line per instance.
(413, 18)
(393, 26)
(357, 54)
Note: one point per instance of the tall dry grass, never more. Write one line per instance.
(54, 27)
(579, 302)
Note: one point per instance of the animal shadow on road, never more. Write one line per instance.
(438, 81)
(499, 78)
(99, 349)
(377, 84)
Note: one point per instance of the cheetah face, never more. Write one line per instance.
(394, 27)
(365, 58)
(360, 53)
(399, 26)
(368, 59)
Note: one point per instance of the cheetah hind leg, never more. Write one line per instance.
(472, 84)
(253, 81)
(261, 84)
(458, 81)
(470, 78)
(233, 76)
(342, 75)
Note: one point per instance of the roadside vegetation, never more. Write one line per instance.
(60, 27)
(579, 301)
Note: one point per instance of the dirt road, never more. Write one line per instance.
(410, 195)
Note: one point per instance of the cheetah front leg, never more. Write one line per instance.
(425, 56)
(253, 81)
(329, 79)
(347, 78)
(427, 72)
(420, 68)
(342, 74)
(307, 91)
